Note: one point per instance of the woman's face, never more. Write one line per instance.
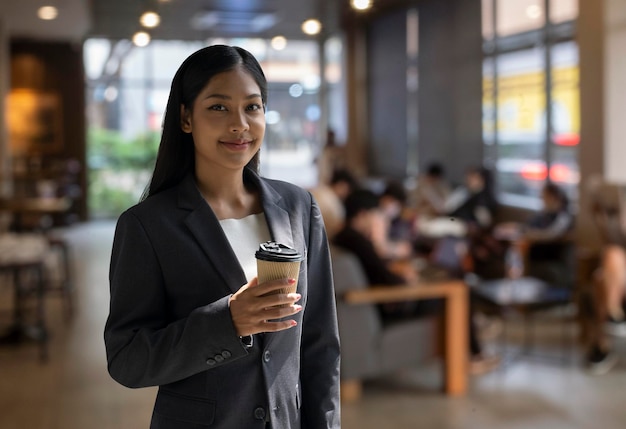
(474, 181)
(227, 121)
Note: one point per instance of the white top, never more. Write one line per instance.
(244, 236)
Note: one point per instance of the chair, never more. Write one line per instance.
(22, 259)
(59, 271)
(372, 349)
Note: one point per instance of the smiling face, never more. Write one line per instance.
(226, 121)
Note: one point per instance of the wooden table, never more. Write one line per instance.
(456, 296)
(39, 206)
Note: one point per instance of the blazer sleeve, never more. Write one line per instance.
(143, 347)
(320, 336)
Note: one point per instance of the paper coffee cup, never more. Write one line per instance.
(277, 261)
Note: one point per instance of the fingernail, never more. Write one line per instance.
(291, 281)
(294, 323)
(297, 307)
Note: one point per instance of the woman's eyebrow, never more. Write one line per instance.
(228, 97)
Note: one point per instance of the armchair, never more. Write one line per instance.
(371, 348)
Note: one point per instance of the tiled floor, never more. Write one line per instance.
(74, 391)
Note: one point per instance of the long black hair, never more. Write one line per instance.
(176, 155)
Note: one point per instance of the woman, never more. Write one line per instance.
(187, 313)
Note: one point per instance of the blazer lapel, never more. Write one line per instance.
(208, 232)
(275, 213)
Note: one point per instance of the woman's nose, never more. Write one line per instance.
(239, 123)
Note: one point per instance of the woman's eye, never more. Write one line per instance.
(254, 107)
(218, 107)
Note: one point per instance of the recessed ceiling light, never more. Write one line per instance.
(47, 13)
(141, 39)
(279, 43)
(311, 27)
(361, 4)
(150, 19)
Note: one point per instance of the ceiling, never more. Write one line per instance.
(180, 19)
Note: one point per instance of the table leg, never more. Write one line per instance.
(456, 339)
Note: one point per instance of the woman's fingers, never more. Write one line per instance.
(271, 286)
(257, 307)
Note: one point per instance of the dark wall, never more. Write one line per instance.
(57, 67)
(450, 84)
(387, 63)
(449, 95)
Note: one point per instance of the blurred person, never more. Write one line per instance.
(431, 192)
(362, 214)
(331, 158)
(329, 196)
(187, 313)
(545, 239)
(393, 235)
(467, 222)
(609, 303)
(474, 203)
(469, 208)
(609, 281)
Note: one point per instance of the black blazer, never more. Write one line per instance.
(172, 273)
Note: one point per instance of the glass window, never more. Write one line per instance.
(565, 117)
(519, 16)
(517, 140)
(563, 10)
(521, 101)
(489, 111)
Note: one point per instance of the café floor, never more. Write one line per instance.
(73, 389)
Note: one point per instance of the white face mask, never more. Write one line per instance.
(392, 211)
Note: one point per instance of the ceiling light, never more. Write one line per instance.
(311, 27)
(47, 12)
(141, 39)
(150, 19)
(279, 43)
(361, 4)
(533, 11)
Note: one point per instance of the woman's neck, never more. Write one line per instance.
(227, 194)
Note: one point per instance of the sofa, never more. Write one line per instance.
(369, 347)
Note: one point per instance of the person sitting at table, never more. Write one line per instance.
(608, 292)
(467, 221)
(431, 192)
(544, 238)
(393, 234)
(362, 212)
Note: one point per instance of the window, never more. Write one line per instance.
(531, 62)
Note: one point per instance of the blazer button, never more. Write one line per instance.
(219, 358)
(267, 356)
(259, 413)
(226, 354)
(210, 362)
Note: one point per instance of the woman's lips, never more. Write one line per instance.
(237, 145)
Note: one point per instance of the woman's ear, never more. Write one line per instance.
(185, 119)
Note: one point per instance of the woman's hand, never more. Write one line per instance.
(255, 307)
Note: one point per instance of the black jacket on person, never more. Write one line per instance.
(172, 273)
